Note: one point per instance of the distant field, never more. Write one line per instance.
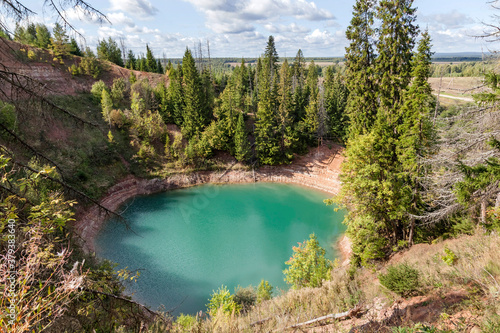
(456, 90)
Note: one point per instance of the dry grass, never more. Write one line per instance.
(469, 290)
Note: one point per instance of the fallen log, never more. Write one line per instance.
(351, 313)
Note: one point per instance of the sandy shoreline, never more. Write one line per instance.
(319, 169)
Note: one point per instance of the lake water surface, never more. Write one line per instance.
(188, 242)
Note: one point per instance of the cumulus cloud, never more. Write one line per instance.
(138, 8)
(238, 16)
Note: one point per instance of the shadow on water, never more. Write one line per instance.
(191, 241)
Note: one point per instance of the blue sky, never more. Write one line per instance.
(240, 28)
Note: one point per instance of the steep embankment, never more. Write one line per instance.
(53, 74)
(318, 169)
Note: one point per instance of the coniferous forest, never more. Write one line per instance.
(419, 179)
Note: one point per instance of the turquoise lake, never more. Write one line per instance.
(188, 242)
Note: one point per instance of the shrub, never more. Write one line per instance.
(402, 279)
(264, 291)
(450, 257)
(222, 300)
(185, 322)
(308, 265)
(245, 297)
(97, 89)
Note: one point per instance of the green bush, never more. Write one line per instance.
(450, 257)
(264, 291)
(185, 322)
(308, 265)
(222, 300)
(245, 297)
(97, 89)
(402, 279)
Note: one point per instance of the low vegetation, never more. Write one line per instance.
(421, 182)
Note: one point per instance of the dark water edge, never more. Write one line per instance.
(188, 242)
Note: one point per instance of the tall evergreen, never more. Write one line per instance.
(241, 143)
(131, 60)
(416, 129)
(271, 56)
(42, 36)
(360, 73)
(150, 65)
(300, 95)
(336, 97)
(286, 131)
(373, 176)
(60, 41)
(267, 137)
(75, 48)
(109, 50)
(195, 117)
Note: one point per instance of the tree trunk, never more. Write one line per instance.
(412, 228)
(483, 212)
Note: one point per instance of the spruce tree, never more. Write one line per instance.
(417, 133)
(267, 138)
(131, 61)
(194, 117)
(271, 56)
(42, 36)
(150, 65)
(286, 131)
(75, 49)
(241, 143)
(360, 73)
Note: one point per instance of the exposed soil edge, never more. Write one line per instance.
(319, 169)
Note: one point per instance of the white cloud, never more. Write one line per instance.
(120, 18)
(320, 37)
(291, 28)
(239, 16)
(138, 8)
(105, 32)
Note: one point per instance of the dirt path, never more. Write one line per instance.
(318, 169)
(466, 99)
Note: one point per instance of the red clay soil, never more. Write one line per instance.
(380, 317)
(53, 75)
(318, 169)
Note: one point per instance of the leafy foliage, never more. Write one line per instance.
(223, 302)
(308, 265)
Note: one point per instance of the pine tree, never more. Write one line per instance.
(60, 41)
(241, 143)
(300, 96)
(109, 50)
(311, 120)
(360, 74)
